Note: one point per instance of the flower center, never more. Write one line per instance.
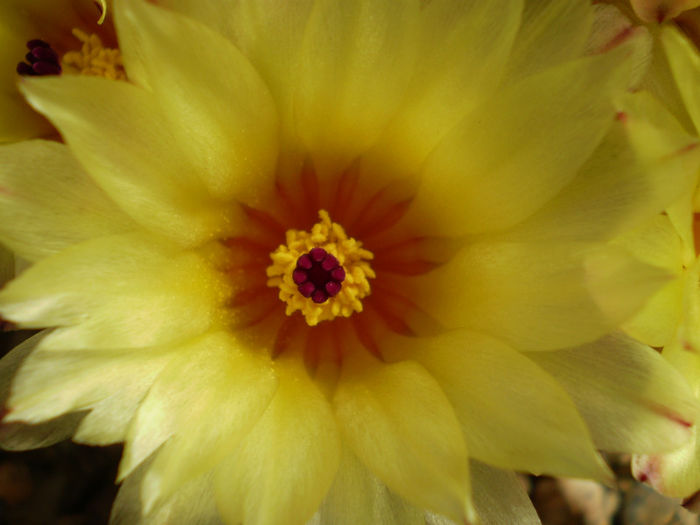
(322, 273)
(92, 59)
(41, 60)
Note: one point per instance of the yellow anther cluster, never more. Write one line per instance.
(93, 58)
(352, 257)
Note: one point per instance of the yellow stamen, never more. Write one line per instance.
(93, 59)
(352, 257)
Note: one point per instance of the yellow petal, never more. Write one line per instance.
(659, 244)
(48, 202)
(355, 58)
(551, 32)
(612, 29)
(499, 498)
(675, 474)
(50, 383)
(358, 497)
(630, 397)
(208, 398)
(19, 436)
(120, 135)
(285, 466)
(462, 53)
(642, 166)
(508, 158)
(513, 414)
(399, 423)
(684, 60)
(218, 108)
(268, 32)
(540, 296)
(149, 293)
(192, 505)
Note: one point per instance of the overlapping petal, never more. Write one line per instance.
(480, 189)
(461, 57)
(397, 420)
(540, 431)
(355, 60)
(653, 408)
(140, 165)
(208, 398)
(178, 294)
(541, 296)
(357, 496)
(51, 383)
(295, 444)
(57, 207)
(499, 498)
(219, 109)
(646, 162)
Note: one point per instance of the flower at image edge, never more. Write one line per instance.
(457, 345)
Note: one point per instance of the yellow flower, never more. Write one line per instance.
(671, 319)
(460, 162)
(47, 37)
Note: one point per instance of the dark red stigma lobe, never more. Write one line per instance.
(41, 60)
(318, 275)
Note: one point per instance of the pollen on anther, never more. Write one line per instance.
(323, 273)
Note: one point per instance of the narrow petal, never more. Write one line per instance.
(48, 202)
(463, 51)
(218, 108)
(129, 148)
(285, 466)
(508, 158)
(208, 399)
(684, 60)
(358, 497)
(149, 294)
(514, 415)
(630, 397)
(646, 162)
(355, 62)
(499, 497)
(540, 296)
(399, 423)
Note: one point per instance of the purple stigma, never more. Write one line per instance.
(40, 61)
(318, 275)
